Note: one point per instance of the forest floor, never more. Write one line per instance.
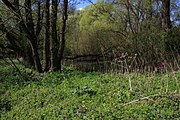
(78, 95)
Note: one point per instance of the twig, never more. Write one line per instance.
(144, 98)
(130, 84)
(24, 77)
(14, 66)
(167, 86)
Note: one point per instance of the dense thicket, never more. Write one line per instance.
(129, 34)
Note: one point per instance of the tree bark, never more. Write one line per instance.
(54, 42)
(64, 18)
(166, 14)
(47, 56)
(28, 60)
(33, 38)
(128, 15)
(39, 18)
(29, 18)
(36, 58)
(149, 13)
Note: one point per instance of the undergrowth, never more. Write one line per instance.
(78, 95)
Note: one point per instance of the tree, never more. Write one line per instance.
(63, 34)
(54, 42)
(57, 47)
(27, 25)
(166, 14)
(47, 56)
(25, 41)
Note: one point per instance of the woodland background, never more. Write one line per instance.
(127, 34)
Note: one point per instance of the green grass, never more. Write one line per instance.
(79, 95)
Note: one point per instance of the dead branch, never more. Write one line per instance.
(143, 98)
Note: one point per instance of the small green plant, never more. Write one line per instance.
(77, 95)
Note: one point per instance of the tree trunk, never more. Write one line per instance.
(47, 38)
(128, 15)
(149, 14)
(166, 14)
(33, 38)
(39, 18)
(54, 42)
(36, 58)
(28, 60)
(64, 18)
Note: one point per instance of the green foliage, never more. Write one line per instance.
(149, 45)
(92, 31)
(78, 95)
